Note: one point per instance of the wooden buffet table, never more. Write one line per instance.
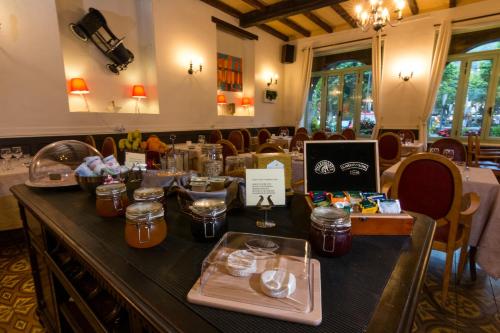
(374, 288)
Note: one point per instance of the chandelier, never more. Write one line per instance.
(377, 15)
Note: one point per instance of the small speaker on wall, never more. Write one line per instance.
(288, 54)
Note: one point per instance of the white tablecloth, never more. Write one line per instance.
(282, 141)
(485, 229)
(411, 148)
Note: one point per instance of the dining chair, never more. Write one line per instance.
(246, 138)
(431, 184)
(389, 150)
(89, 139)
(228, 149)
(263, 136)
(215, 136)
(301, 136)
(269, 148)
(460, 153)
(319, 135)
(408, 135)
(109, 147)
(236, 138)
(337, 136)
(482, 158)
(302, 130)
(349, 134)
(284, 129)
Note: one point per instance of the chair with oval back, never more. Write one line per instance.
(320, 135)
(298, 137)
(407, 134)
(89, 139)
(349, 134)
(109, 147)
(460, 153)
(389, 150)
(246, 139)
(263, 136)
(215, 136)
(430, 184)
(302, 130)
(269, 148)
(236, 138)
(284, 130)
(337, 136)
(228, 149)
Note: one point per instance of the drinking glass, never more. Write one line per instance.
(300, 146)
(283, 133)
(6, 154)
(434, 150)
(201, 139)
(449, 154)
(17, 153)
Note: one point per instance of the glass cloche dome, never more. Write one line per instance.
(54, 164)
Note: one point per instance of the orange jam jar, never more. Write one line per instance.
(149, 194)
(145, 225)
(111, 200)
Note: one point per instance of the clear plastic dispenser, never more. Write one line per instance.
(258, 270)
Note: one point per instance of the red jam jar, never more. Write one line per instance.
(111, 200)
(145, 224)
(330, 232)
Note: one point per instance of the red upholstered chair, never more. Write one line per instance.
(320, 135)
(269, 148)
(408, 135)
(236, 138)
(389, 150)
(302, 130)
(263, 135)
(349, 133)
(228, 149)
(430, 184)
(246, 138)
(450, 143)
(109, 147)
(298, 137)
(283, 129)
(89, 139)
(337, 136)
(215, 136)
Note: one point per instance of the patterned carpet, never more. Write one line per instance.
(473, 307)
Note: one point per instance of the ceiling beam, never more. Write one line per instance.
(319, 22)
(296, 27)
(453, 3)
(273, 32)
(281, 10)
(223, 7)
(413, 6)
(345, 15)
(255, 4)
(232, 29)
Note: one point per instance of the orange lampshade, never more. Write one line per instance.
(138, 91)
(246, 101)
(78, 86)
(221, 99)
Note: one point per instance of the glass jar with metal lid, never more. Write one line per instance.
(330, 232)
(145, 225)
(211, 157)
(208, 219)
(111, 199)
(150, 194)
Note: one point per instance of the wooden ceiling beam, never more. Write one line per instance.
(453, 3)
(319, 22)
(413, 6)
(304, 32)
(234, 30)
(273, 32)
(281, 10)
(255, 4)
(345, 15)
(223, 7)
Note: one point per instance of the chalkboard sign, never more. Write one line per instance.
(342, 165)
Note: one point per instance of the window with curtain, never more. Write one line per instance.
(340, 93)
(468, 100)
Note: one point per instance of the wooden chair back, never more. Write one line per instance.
(246, 138)
(109, 147)
(284, 129)
(263, 136)
(389, 149)
(349, 134)
(408, 135)
(228, 149)
(89, 139)
(320, 135)
(337, 136)
(270, 148)
(301, 136)
(302, 130)
(215, 136)
(460, 154)
(236, 138)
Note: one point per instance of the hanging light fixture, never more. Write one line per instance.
(377, 15)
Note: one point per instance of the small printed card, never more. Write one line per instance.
(135, 159)
(262, 183)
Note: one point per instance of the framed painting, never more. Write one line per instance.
(229, 73)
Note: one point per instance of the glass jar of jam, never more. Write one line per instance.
(111, 200)
(145, 225)
(208, 221)
(150, 194)
(330, 232)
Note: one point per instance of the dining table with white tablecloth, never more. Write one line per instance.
(9, 216)
(410, 148)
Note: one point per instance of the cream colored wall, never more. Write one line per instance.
(33, 80)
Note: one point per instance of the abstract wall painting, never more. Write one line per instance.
(229, 73)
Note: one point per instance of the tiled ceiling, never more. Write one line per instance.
(292, 19)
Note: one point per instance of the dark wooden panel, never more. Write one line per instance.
(223, 7)
(461, 43)
(322, 62)
(273, 32)
(413, 6)
(234, 30)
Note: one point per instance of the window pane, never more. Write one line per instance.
(486, 47)
(367, 121)
(477, 91)
(441, 119)
(344, 64)
(332, 103)
(313, 114)
(495, 117)
(348, 100)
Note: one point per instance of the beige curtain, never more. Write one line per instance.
(376, 81)
(303, 83)
(439, 58)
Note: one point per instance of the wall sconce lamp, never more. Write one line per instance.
(405, 76)
(221, 99)
(191, 71)
(272, 78)
(138, 92)
(77, 86)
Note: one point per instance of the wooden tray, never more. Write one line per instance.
(313, 317)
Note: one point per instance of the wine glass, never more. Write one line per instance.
(17, 153)
(434, 150)
(6, 154)
(449, 154)
(283, 133)
(201, 139)
(300, 146)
